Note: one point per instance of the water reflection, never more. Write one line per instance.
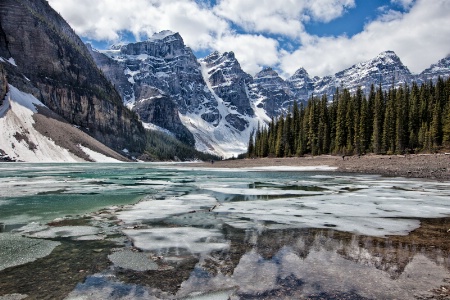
(296, 264)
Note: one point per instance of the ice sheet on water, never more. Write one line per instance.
(152, 210)
(178, 240)
(369, 205)
(136, 261)
(260, 192)
(31, 228)
(17, 250)
(66, 231)
(13, 297)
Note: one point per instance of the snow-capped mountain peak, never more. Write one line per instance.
(299, 74)
(163, 35)
(267, 72)
(440, 69)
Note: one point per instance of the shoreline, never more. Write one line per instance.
(428, 166)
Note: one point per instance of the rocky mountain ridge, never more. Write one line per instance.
(202, 102)
(220, 104)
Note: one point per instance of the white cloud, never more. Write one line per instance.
(420, 37)
(280, 17)
(105, 19)
(252, 51)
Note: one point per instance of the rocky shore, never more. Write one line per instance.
(429, 166)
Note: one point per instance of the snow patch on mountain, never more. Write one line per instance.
(154, 127)
(98, 157)
(19, 139)
(221, 139)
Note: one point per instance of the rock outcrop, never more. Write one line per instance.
(55, 66)
(229, 81)
(3, 84)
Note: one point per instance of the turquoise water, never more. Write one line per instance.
(43, 192)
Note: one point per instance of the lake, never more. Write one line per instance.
(165, 231)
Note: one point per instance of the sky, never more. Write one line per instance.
(322, 36)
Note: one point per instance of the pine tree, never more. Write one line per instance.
(378, 113)
(446, 124)
(363, 128)
(250, 149)
(280, 142)
(341, 126)
(388, 137)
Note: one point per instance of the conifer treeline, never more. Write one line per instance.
(402, 120)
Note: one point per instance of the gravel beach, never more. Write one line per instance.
(429, 166)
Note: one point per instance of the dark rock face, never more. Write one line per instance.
(114, 72)
(161, 66)
(63, 73)
(164, 62)
(163, 112)
(229, 81)
(274, 94)
(236, 121)
(301, 84)
(3, 84)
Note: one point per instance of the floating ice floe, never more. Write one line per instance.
(67, 231)
(151, 210)
(13, 297)
(16, 250)
(137, 261)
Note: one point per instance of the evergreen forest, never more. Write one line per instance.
(163, 147)
(406, 119)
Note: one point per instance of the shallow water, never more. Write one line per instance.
(219, 234)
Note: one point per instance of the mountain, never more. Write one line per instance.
(270, 92)
(385, 69)
(213, 103)
(44, 58)
(441, 68)
(202, 102)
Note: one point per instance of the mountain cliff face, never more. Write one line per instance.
(201, 102)
(441, 68)
(270, 92)
(47, 59)
(3, 84)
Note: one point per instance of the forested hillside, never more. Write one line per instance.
(408, 119)
(163, 147)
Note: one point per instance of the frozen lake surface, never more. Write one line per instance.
(160, 231)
